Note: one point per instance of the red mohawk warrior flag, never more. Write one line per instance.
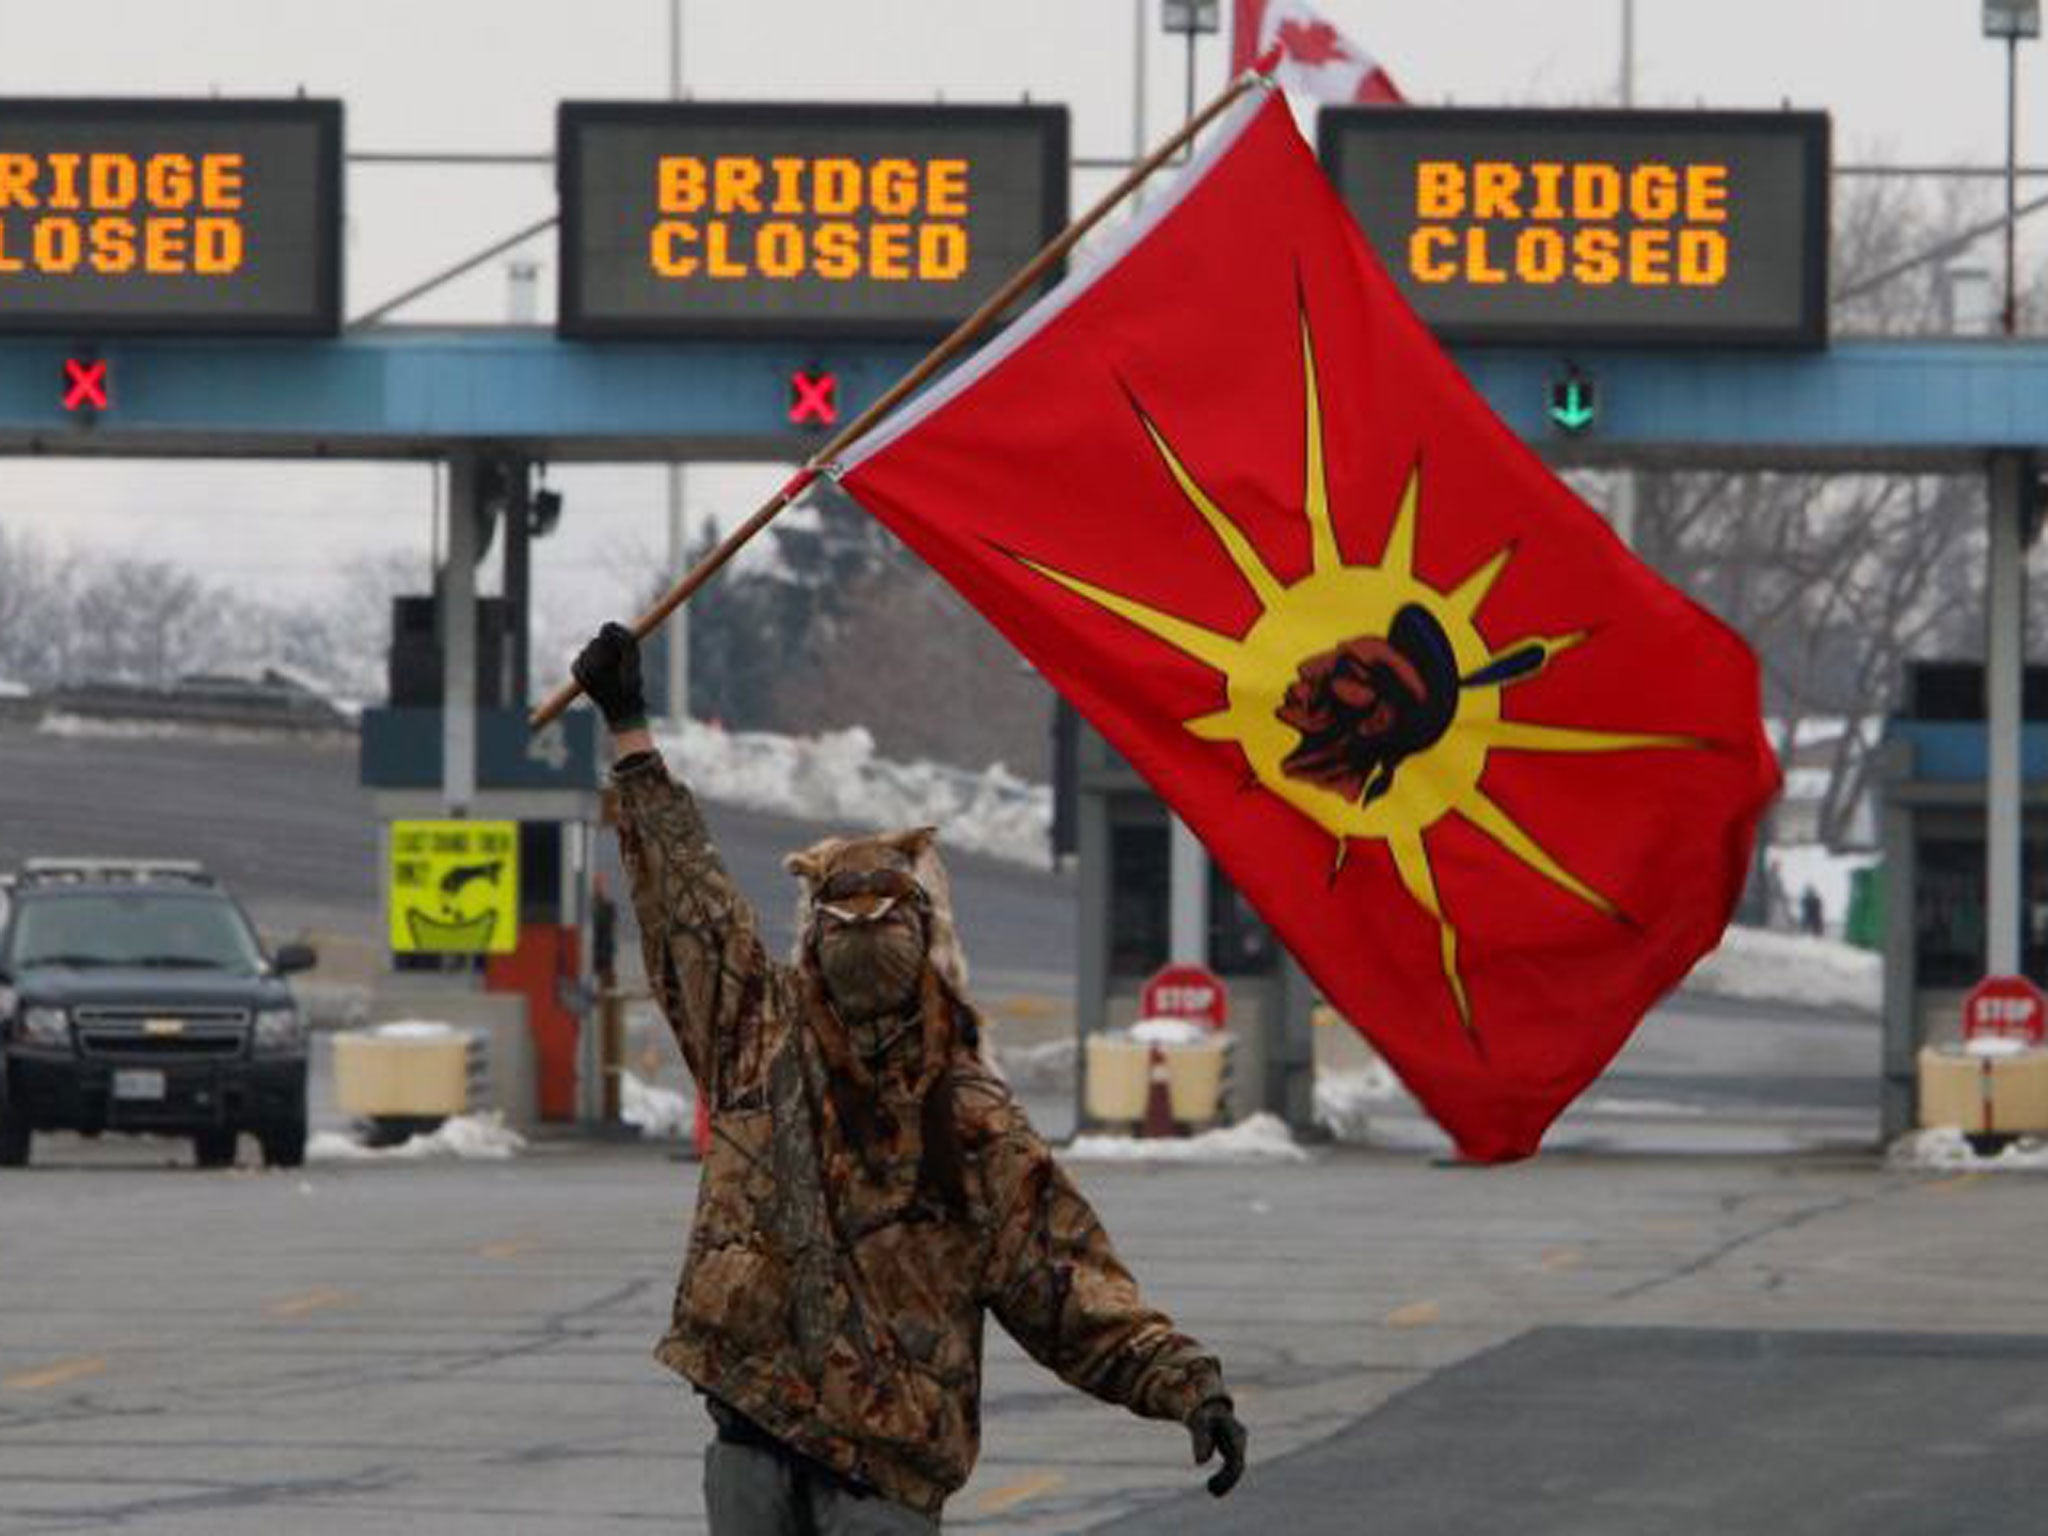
(1315, 58)
(1489, 777)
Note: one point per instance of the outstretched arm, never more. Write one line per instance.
(699, 937)
(1055, 1283)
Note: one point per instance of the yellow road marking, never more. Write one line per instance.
(997, 1500)
(1417, 1314)
(54, 1375)
(1561, 1258)
(312, 1301)
(1025, 1005)
(1960, 1181)
(510, 1248)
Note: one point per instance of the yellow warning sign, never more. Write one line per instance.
(454, 887)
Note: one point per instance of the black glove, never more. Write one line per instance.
(609, 671)
(1215, 1429)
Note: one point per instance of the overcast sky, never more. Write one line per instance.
(1906, 81)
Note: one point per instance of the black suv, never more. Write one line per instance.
(135, 996)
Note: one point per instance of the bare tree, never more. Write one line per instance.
(1837, 580)
(33, 637)
(927, 675)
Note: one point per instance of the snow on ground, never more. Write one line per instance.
(483, 1137)
(1798, 865)
(1756, 964)
(1050, 1064)
(1346, 1101)
(654, 1110)
(838, 777)
(1946, 1148)
(57, 723)
(1262, 1138)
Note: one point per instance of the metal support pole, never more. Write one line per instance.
(1137, 80)
(1628, 53)
(675, 50)
(519, 576)
(1094, 855)
(1628, 492)
(458, 636)
(677, 636)
(2012, 150)
(591, 1086)
(1187, 884)
(2004, 652)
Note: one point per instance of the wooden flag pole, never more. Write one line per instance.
(963, 334)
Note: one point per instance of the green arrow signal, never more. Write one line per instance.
(1571, 404)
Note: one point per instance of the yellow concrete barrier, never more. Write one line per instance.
(382, 1075)
(1954, 1090)
(1117, 1078)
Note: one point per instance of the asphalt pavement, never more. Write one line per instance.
(1708, 1307)
(1605, 1345)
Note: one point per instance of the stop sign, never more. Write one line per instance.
(2005, 1005)
(1186, 992)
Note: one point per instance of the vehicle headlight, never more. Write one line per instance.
(45, 1026)
(279, 1029)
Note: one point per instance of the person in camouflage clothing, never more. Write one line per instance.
(872, 1189)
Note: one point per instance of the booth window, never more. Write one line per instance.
(1948, 913)
(1138, 875)
(1240, 943)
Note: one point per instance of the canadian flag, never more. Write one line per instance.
(1315, 58)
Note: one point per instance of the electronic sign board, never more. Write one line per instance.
(1590, 227)
(148, 217)
(723, 219)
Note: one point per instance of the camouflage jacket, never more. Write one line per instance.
(823, 1295)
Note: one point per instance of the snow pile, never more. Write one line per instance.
(1947, 1148)
(415, 1029)
(1636, 1109)
(1799, 865)
(1046, 1065)
(1760, 966)
(57, 723)
(1168, 1033)
(837, 777)
(655, 1111)
(1346, 1101)
(1263, 1138)
(480, 1137)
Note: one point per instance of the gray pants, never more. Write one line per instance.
(750, 1491)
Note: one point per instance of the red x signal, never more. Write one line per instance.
(86, 384)
(813, 398)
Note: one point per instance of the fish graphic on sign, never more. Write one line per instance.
(454, 887)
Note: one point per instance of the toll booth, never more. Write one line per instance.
(533, 981)
(487, 827)
(1933, 829)
(1122, 833)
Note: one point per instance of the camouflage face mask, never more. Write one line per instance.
(871, 935)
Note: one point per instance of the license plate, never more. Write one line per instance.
(138, 1084)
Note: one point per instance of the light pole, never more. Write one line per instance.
(2012, 20)
(677, 675)
(1187, 919)
(1190, 18)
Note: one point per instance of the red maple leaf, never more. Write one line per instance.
(1312, 42)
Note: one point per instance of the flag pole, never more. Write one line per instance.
(963, 335)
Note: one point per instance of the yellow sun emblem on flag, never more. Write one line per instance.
(1366, 698)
